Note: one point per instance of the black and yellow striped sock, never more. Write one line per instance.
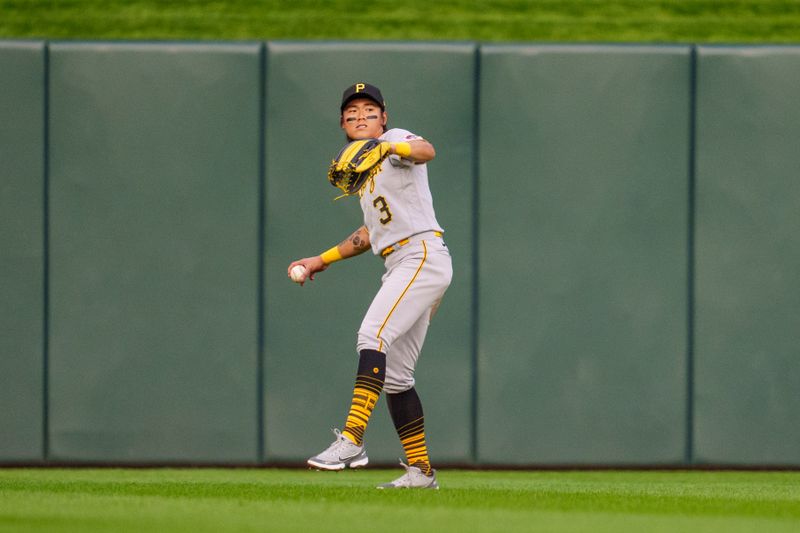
(369, 384)
(406, 411)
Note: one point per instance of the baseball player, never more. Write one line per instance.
(400, 227)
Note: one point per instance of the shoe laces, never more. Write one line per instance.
(340, 441)
(409, 467)
(406, 478)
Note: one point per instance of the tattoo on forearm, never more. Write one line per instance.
(359, 243)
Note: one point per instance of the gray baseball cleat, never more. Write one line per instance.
(341, 453)
(412, 479)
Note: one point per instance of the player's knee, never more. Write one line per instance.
(397, 384)
(370, 342)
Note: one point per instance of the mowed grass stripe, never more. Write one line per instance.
(772, 21)
(297, 500)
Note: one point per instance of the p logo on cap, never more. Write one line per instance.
(362, 90)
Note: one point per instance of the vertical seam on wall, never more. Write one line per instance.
(46, 253)
(261, 248)
(475, 256)
(690, 267)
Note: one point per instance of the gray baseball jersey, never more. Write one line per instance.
(398, 203)
(402, 225)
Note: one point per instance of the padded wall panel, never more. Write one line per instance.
(583, 253)
(21, 250)
(154, 251)
(748, 256)
(311, 331)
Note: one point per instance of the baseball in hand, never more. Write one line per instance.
(298, 273)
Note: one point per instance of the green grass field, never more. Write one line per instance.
(197, 500)
(700, 21)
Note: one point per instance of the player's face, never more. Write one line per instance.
(363, 119)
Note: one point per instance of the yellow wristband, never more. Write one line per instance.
(402, 149)
(331, 255)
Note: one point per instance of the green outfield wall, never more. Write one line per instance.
(310, 333)
(623, 222)
(583, 254)
(22, 250)
(154, 258)
(747, 313)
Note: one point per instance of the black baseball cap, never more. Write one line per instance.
(362, 90)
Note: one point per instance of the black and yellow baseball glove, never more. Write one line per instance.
(356, 164)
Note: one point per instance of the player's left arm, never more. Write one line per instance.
(417, 150)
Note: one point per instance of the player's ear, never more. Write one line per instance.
(385, 119)
(341, 121)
